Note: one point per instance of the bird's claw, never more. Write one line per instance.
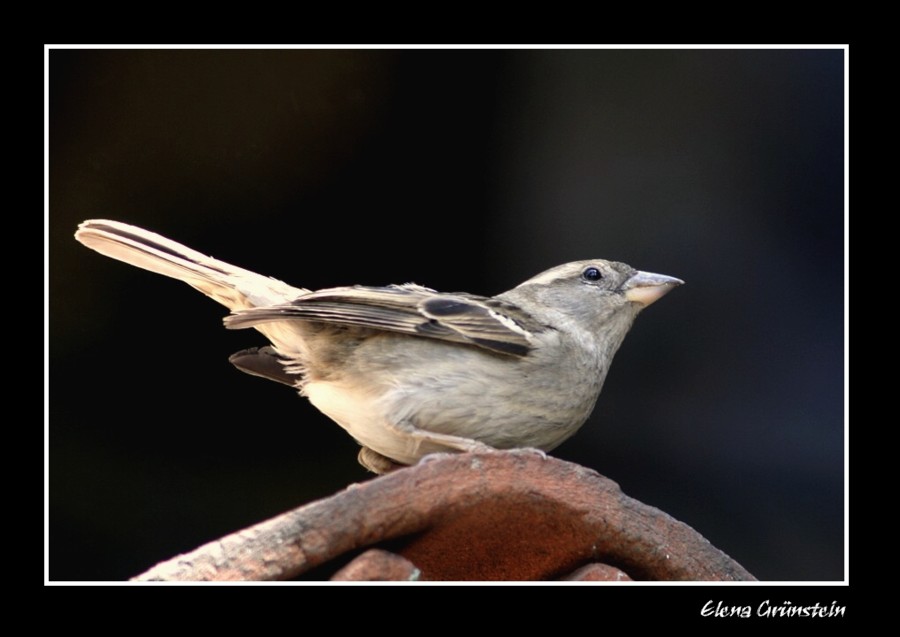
(535, 451)
(437, 455)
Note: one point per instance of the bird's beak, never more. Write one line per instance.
(646, 287)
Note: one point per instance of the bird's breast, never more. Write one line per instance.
(538, 400)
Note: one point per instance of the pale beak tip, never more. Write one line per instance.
(646, 288)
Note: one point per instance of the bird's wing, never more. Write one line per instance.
(408, 309)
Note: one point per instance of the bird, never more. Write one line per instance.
(409, 371)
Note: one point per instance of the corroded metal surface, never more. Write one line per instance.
(512, 515)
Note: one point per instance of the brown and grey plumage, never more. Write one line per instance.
(407, 370)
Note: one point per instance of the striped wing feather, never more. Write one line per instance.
(407, 309)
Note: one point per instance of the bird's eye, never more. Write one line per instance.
(592, 274)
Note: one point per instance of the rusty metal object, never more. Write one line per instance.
(512, 515)
(376, 565)
(597, 573)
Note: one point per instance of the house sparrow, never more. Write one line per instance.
(410, 371)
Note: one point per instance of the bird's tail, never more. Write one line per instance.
(233, 287)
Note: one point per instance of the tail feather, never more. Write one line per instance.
(233, 287)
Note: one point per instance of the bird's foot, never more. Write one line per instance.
(534, 450)
(437, 455)
(375, 462)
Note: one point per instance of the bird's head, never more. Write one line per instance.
(596, 291)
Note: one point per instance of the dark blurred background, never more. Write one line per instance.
(461, 170)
